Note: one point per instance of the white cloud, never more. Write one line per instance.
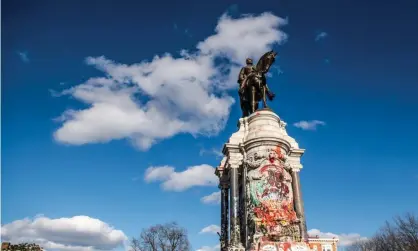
(309, 125)
(211, 229)
(321, 35)
(79, 233)
(187, 32)
(233, 9)
(208, 248)
(249, 36)
(213, 198)
(274, 70)
(344, 239)
(213, 151)
(151, 101)
(23, 56)
(201, 175)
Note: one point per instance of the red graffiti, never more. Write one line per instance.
(279, 153)
(285, 246)
(275, 207)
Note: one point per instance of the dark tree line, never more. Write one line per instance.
(400, 235)
(6, 246)
(167, 237)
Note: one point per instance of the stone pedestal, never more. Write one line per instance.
(261, 164)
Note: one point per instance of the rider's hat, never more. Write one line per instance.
(248, 61)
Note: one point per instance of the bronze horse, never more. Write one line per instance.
(255, 85)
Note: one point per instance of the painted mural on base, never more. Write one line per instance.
(272, 216)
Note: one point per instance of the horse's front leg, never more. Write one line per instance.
(253, 101)
(264, 97)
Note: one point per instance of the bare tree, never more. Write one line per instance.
(167, 237)
(362, 245)
(400, 235)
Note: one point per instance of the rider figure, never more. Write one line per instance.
(245, 71)
(244, 99)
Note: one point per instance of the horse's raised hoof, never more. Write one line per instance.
(271, 96)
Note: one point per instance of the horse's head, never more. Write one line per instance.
(266, 61)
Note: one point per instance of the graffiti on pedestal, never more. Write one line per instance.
(273, 201)
(271, 212)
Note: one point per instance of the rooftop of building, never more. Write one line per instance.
(322, 239)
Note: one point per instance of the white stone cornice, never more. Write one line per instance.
(293, 159)
(294, 152)
(295, 166)
(238, 136)
(230, 148)
(268, 141)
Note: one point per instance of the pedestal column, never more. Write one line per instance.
(297, 195)
(234, 221)
(224, 215)
(243, 223)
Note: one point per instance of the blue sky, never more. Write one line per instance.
(351, 65)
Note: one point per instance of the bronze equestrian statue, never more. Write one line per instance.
(253, 85)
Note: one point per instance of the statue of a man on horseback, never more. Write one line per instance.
(253, 85)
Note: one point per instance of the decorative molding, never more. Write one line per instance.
(267, 141)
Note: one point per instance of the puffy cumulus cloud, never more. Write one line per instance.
(79, 233)
(211, 229)
(154, 100)
(344, 239)
(248, 36)
(213, 198)
(209, 248)
(201, 175)
(309, 125)
(321, 35)
(23, 56)
(212, 151)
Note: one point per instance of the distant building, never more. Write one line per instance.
(5, 245)
(323, 244)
